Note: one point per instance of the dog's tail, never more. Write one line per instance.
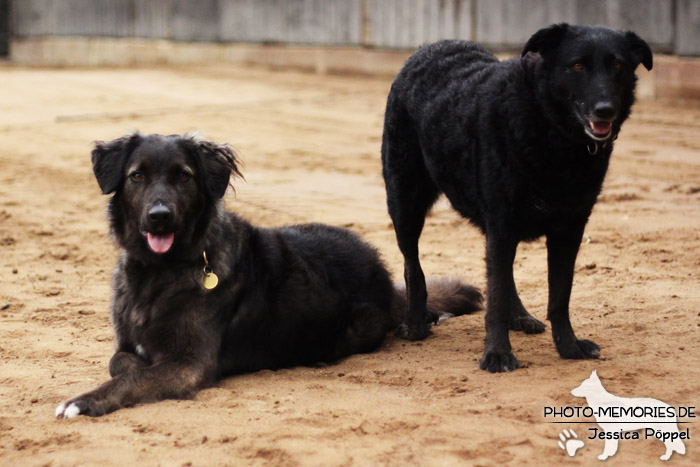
(447, 298)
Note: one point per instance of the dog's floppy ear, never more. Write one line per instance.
(216, 163)
(640, 50)
(545, 39)
(109, 158)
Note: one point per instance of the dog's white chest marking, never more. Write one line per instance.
(141, 352)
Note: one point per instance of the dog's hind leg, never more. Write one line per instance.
(416, 324)
(410, 194)
(365, 333)
(521, 320)
(500, 253)
(562, 248)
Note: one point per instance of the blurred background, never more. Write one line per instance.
(671, 25)
(322, 35)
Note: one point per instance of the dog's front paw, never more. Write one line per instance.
(413, 332)
(498, 362)
(579, 349)
(526, 323)
(83, 405)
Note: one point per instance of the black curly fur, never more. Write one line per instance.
(509, 143)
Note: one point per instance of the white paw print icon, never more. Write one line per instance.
(569, 442)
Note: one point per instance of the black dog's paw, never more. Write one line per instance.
(413, 332)
(83, 405)
(527, 323)
(498, 362)
(579, 349)
(432, 317)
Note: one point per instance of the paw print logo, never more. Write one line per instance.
(569, 442)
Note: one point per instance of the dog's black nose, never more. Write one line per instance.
(605, 110)
(159, 213)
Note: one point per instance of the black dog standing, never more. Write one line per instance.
(200, 293)
(520, 148)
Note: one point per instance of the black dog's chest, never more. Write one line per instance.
(541, 213)
(566, 191)
(142, 327)
(148, 310)
(525, 194)
(558, 195)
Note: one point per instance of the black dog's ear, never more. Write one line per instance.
(108, 160)
(545, 39)
(640, 50)
(216, 162)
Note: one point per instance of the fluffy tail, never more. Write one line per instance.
(447, 298)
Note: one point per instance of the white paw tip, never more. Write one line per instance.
(60, 409)
(71, 411)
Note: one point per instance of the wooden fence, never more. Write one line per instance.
(669, 25)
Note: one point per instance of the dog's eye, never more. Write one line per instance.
(578, 66)
(136, 176)
(183, 176)
(617, 65)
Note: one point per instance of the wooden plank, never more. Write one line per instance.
(509, 24)
(31, 17)
(195, 20)
(687, 27)
(71, 18)
(404, 24)
(153, 18)
(93, 18)
(465, 19)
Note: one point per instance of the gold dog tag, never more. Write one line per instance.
(211, 280)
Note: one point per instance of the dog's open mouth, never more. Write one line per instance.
(598, 130)
(160, 243)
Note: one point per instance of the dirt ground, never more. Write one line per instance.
(311, 149)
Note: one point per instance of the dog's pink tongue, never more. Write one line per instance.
(602, 128)
(160, 243)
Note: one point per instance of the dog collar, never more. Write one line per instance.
(595, 146)
(211, 280)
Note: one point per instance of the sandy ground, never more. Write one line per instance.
(311, 148)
